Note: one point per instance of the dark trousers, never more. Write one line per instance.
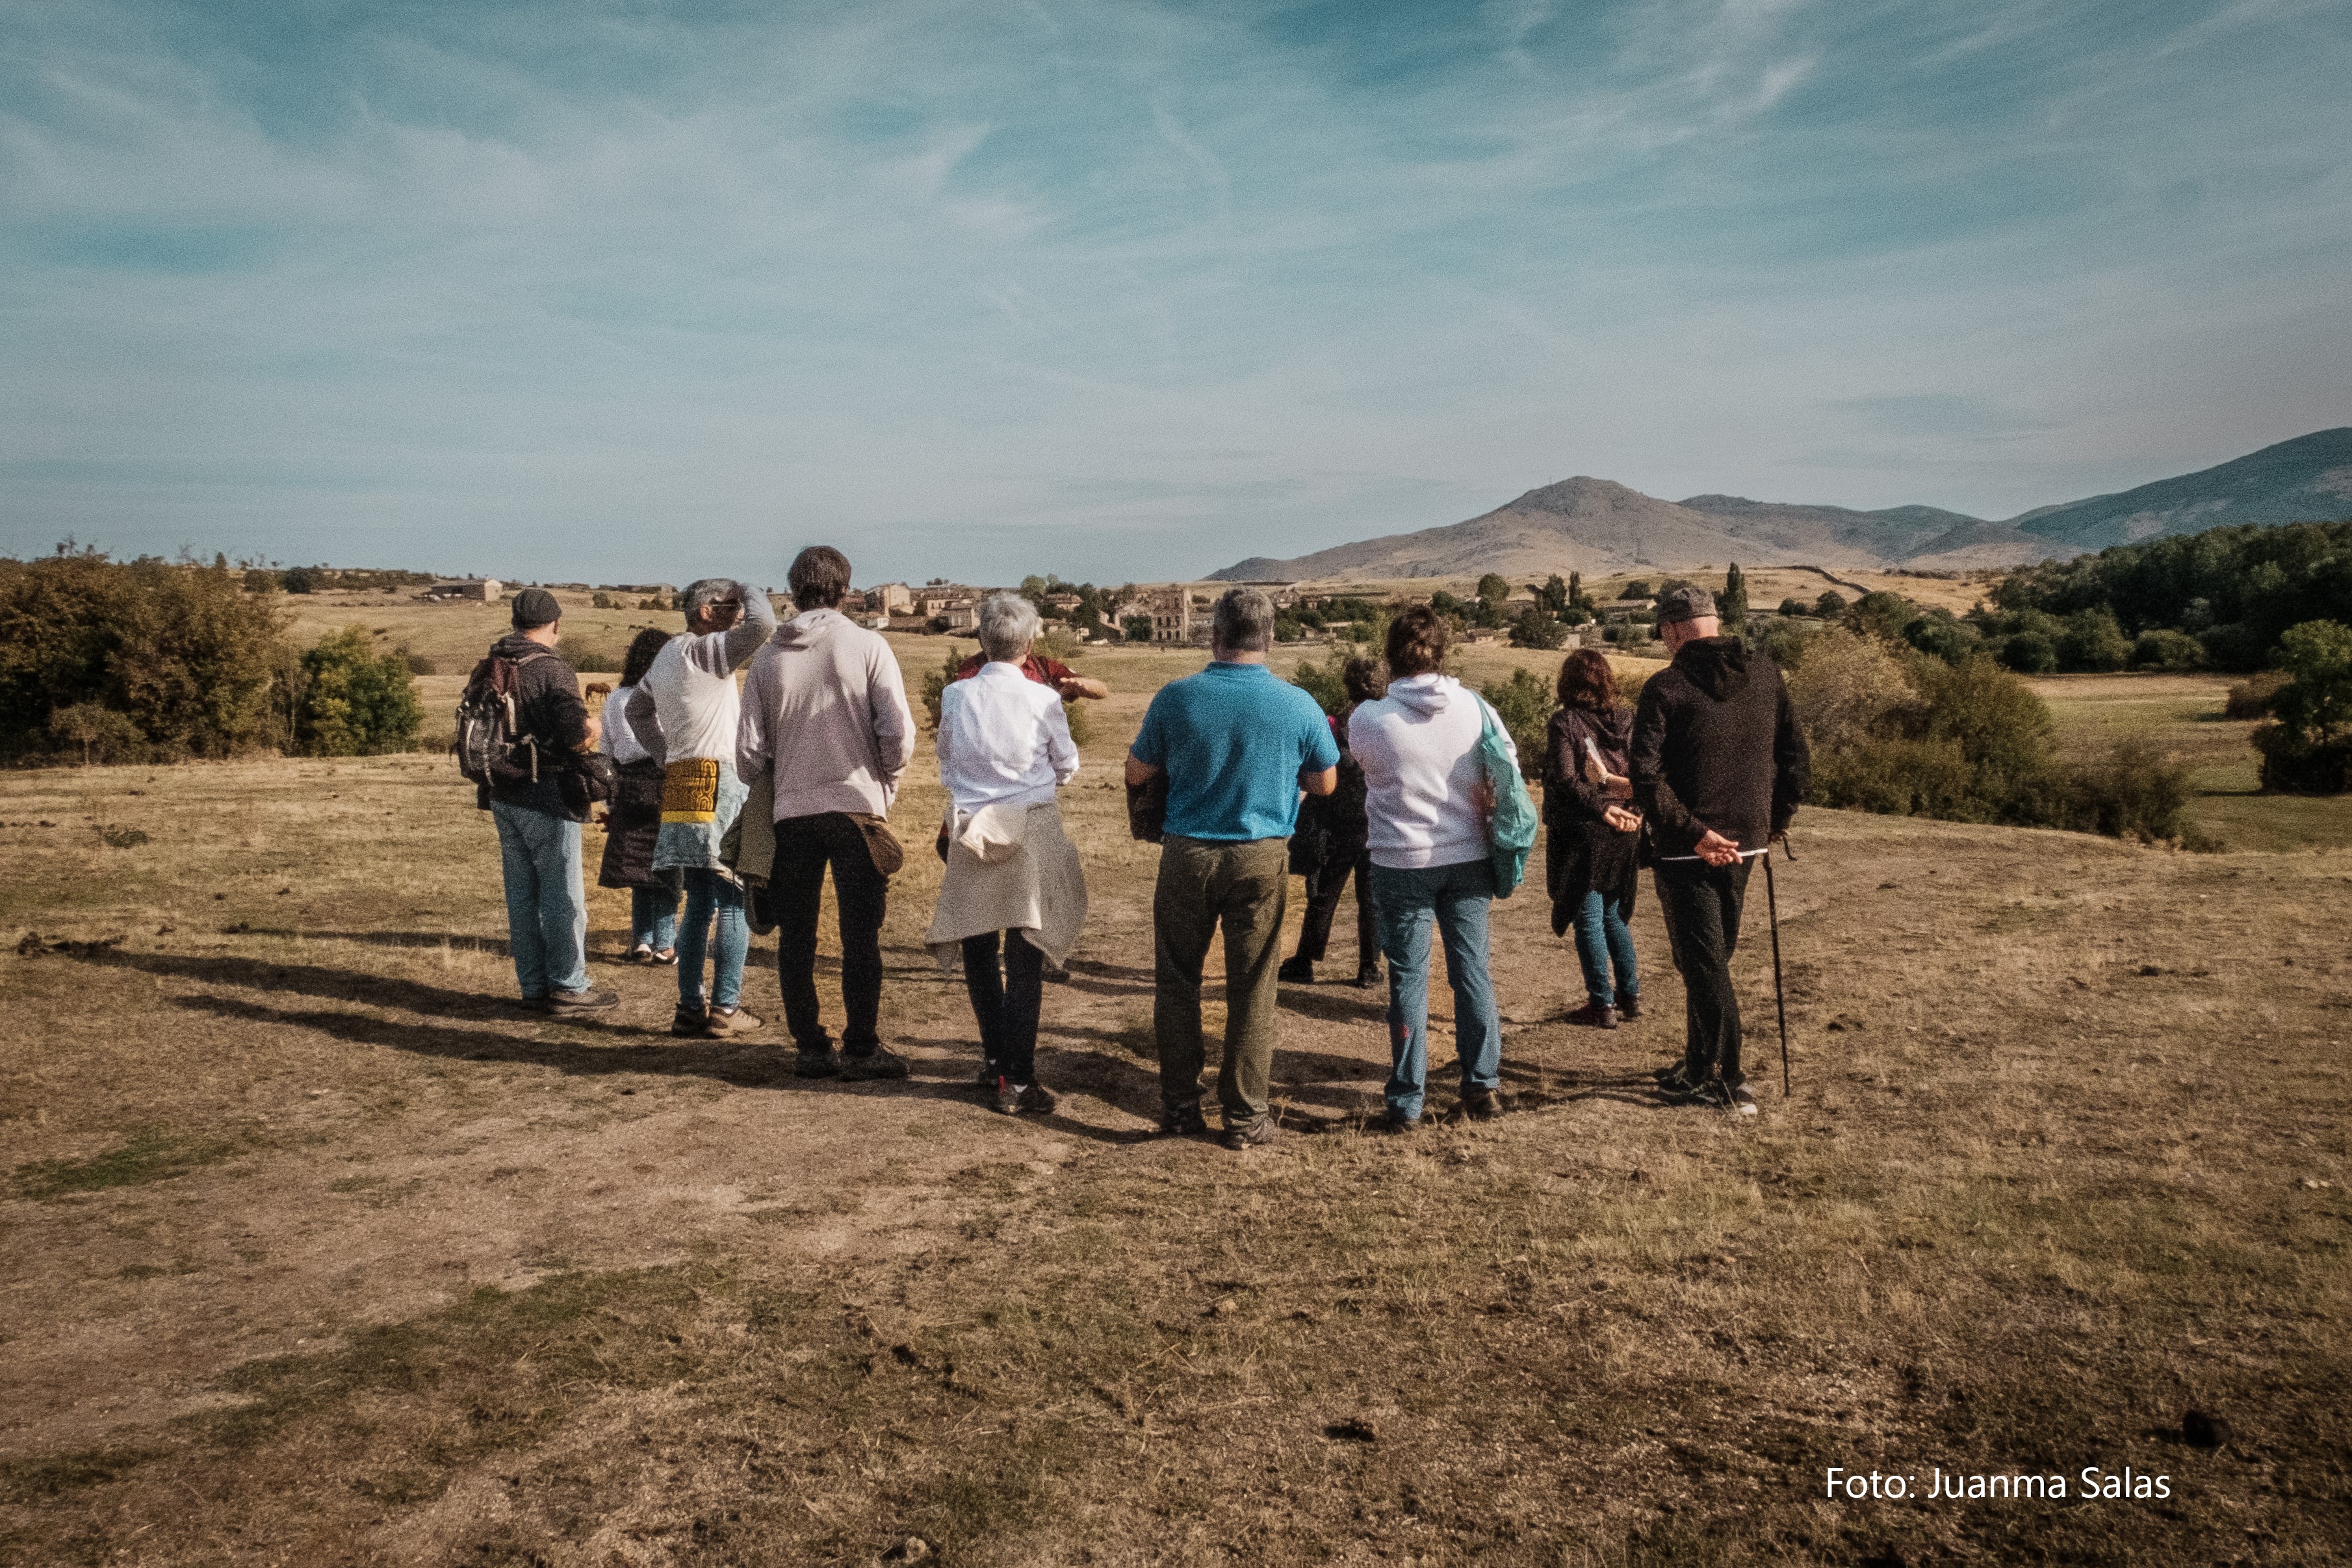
(1006, 1005)
(1702, 905)
(1323, 905)
(1204, 886)
(804, 847)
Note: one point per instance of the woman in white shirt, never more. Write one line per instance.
(1426, 801)
(633, 821)
(1012, 884)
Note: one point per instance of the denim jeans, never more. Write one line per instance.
(708, 896)
(547, 904)
(653, 918)
(1601, 940)
(1456, 898)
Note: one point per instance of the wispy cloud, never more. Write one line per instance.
(553, 291)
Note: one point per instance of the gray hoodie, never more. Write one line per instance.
(825, 708)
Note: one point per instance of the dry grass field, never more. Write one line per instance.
(319, 1251)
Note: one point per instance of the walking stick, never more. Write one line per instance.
(1780, 992)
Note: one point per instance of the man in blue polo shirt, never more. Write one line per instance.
(1237, 745)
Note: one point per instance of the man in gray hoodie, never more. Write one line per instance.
(826, 715)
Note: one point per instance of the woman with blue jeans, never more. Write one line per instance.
(1592, 834)
(632, 819)
(1426, 802)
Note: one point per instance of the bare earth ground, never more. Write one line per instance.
(318, 1251)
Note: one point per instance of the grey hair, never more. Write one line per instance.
(1244, 621)
(708, 590)
(1008, 625)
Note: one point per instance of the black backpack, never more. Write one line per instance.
(493, 750)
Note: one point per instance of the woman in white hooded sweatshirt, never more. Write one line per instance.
(1427, 801)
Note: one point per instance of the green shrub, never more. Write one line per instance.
(182, 652)
(1846, 688)
(2251, 698)
(1795, 607)
(1940, 634)
(356, 701)
(936, 679)
(1879, 613)
(1830, 605)
(1524, 704)
(2134, 794)
(1534, 629)
(2093, 641)
(2309, 751)
(2031, 653)
(1325, 685)
(2164, 649)
(100, 734)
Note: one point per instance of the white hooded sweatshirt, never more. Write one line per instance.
(1419, 748)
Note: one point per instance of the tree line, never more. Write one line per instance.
(149, 660)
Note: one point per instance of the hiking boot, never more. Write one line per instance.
(815, 1061)
(1393, 1121)
(720, 1022)
(881, 1061)
(1743, 1100)
(1629, 1006)
(1182, 1122)
(1296, 972)
(1251, 1135)
(691, 1023)
(1367, 976)
(1481, 1104)
(1593, 1015)
(564, 1003)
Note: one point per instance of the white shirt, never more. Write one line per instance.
(1003, 741)
(620, 740)
(1419, 750)
(693, 685)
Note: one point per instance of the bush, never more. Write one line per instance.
(1137, 628)
(1795, 607)
(2309, 750)
(2031, 653)
(2137, 794)
(1879, 613)
(1524, 704)
(354, 701)
(936, 679)
(2251, 698)
(2093, 641)
(1830, 605)
(2164, 649)
(299, 580)
(99, 733)
(1534, 629)
(1325, 685)
(1846, 688)
(182, 652)
(1941, 635)
(602, 600)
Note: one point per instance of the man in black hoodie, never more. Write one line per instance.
(1718, 765)
(539, 818)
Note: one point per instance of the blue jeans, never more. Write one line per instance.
(710, 895)
(653, 918)
(1456, 898)
(1601, 940)
(547, 906)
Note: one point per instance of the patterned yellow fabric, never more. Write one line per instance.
(690, 791)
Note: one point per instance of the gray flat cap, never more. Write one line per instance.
(1684, 602)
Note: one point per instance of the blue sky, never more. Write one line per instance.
(634, 291)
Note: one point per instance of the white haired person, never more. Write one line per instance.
(685, 713)
(1012, 884)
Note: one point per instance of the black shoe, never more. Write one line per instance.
(1676, 1085)
(1629, 1006)
(1711, 1094)
(1367, 977)
(691, 1022)
(1393, 1121)
(1593, 1015)
(859, 1066)
(1672, 1072)
(1481, 1104)
(815, 1061)
(1296, 972)
(562, 1003)
(1025, 1100)
(1182, 1122)
(1251, 1135)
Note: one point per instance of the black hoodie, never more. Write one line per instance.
(548, 706)
(1717, 745)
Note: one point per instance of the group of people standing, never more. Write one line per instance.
(739, 804)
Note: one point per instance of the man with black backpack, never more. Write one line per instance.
(525, 739)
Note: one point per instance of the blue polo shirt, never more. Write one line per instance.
(1233, 740)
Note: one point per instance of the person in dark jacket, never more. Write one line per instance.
(1329, 846)
(1718, 765)
(1591, 833)
(633, 822)
(539, 819)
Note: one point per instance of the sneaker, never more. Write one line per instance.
(1629, 1006)
(1593, 1015)
(815, 1061)
(643, 953)
(858, 1066)
(1251, 1135)
(564, 1002)
(1367, 977)
(1182, 1122)
(1296, 972)
(725, 1021)
(1393, 1121)
(1679, 1086)
(1743, 1100)
(691, 1023)
(1672, 1076)
(666, 956)
(1712, 1094)
(1481, 1104)
(1024, 1099)
(1008, 1098)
